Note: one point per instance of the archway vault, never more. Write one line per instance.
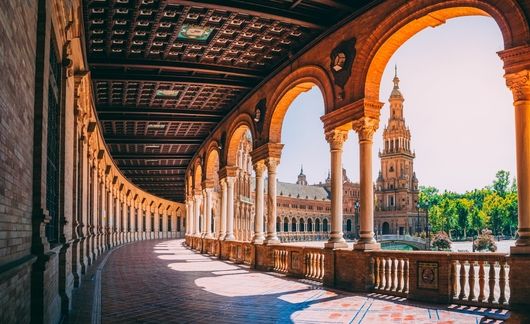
(414, 17)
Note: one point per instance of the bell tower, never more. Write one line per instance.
(397, 186)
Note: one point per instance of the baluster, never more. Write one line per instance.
(454, 280)
(399, 274)
(502, 282)
(406, 276)
(321, 260)
(462, 281)
(311, 265)
(387, 273)
(318, 262)
(381, 273)
(376, 273)
(392, 274)
(491, 281)
(481, 281)
(471, 280)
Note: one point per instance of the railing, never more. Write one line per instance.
(286, 237)
(301, 262)
(476, 279)
(314, 264)
(391, 273)
(397, 237)
(280, 260)
(469, 274)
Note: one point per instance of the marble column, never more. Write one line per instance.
(520, 85)
(272, 238)
(148, 224)
(229, 236)
(259, 236)
(336, 139)
(365, 128)
(132, 218)
(196, 214)
(164, 224)
(157, 223)
(222, 230)
(208, 212)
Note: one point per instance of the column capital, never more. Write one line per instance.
(259, 168)
(336, 138)
(230, 180)
(365, 127)
(228, 171)
(272, 163)
(267, 150)
(519, 84)
(208, 184)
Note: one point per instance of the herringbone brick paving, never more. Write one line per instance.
(164, 282)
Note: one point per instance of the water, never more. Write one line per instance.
(396, 247)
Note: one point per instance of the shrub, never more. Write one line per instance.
(441, 241)
(485, 242)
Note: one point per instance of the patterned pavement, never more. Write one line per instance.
(164, 282)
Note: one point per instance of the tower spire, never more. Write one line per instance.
(396, 79)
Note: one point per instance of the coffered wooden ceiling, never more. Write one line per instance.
(165, 72)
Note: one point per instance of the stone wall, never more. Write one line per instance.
(18, 26)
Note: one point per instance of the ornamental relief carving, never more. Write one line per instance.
(519, 84)
(336, 138)
(365, 127)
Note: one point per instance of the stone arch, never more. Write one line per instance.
(415, 16)
(197, 176)
(240, 126)
(212, 161)
(298, 81)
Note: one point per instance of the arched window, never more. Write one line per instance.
(309, 225)
(325, 225)
(302, 225)
(317, 225)
(278, 225)
(293, 224)
(348, 225)
(286, 224)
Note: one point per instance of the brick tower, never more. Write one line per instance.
(397, 186)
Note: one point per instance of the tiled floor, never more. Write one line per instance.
(164, 282)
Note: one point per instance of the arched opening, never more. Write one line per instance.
(238, 157)
(317, 225)
(309, 225)
(480, 124)
(285, 224)
(325, 225)
(278, 224)
(386, 228)
(302, 225)
(293, 224)
(348, 225)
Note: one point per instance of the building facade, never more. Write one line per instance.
(397, 190)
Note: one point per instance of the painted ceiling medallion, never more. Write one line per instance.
(194, 32)
(167, 93)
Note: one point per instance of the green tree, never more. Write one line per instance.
(501, 184)
(462, 209)
(495, 207)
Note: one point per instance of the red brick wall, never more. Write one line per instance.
(17, 63)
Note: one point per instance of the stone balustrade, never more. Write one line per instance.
(475, 279)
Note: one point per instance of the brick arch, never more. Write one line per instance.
(297, 82)
(238, 128)
(418, 15)
(197, 175)
(212, 161)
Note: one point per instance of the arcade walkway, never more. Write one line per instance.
(163, 282)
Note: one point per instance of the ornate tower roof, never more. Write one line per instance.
(301, 177)
(396, 93)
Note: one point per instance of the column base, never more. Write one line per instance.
(361, 246)
(271, 241)
(335, 245)
(521, 249)
(258, 239)
(229, 237)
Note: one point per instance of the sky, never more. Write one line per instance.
(457, 107)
